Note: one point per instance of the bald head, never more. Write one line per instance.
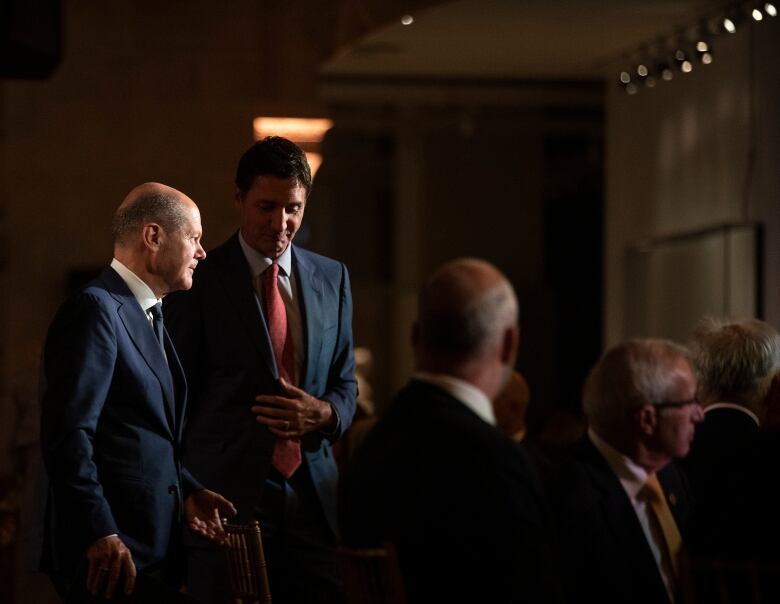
(147, 203)
(464, 309)
(157, 233)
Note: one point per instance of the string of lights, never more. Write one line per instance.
(690, 46)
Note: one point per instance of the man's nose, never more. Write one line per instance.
(279, 219)
(200, 253)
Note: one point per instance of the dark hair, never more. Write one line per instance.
(163, 208)
(273, 156)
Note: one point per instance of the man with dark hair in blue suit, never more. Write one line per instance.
(265, 338)
(113, 412)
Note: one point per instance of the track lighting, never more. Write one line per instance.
(690, 45)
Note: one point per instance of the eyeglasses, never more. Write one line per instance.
(677, 404)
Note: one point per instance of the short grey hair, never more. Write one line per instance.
(634, 373)
(459, 323)
(164, 208)
(735, 361)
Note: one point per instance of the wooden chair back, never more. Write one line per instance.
(709, 581)
(371, 575)
(245, 562)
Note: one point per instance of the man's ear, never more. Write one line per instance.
(238, 197)
(152, 234)
(648, 419)
(510, 342)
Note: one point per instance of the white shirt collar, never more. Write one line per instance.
(142, 292)
(631, 475)
(724, 405)
(259, 262)
(466, 393)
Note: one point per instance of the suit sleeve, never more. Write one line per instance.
(341, 390)
(78, 367)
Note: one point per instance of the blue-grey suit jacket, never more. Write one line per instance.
(220, 332)
(112, 419)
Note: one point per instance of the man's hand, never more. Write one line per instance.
(292, 413)
(109, 559)
(203, 510)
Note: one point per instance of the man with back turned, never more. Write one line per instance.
(435, 477)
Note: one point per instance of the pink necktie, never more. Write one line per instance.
(287, 451)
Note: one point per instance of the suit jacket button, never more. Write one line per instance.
(173, 489)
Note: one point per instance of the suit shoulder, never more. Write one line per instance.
(323, 263)
(92, 298)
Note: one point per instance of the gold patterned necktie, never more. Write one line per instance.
(654, 495)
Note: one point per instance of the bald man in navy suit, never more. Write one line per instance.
(113, 412)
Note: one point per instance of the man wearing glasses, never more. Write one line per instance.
(623, 506)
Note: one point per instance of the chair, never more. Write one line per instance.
(245, 562)
(371, 575)
(711, 581)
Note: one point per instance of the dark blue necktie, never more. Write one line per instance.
(157, 323)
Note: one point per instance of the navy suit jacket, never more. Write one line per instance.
(220, 332)
(112, 418)
(604, 553)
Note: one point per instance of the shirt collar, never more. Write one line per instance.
(142, 292)
(259, 262)
(724, 405)
(631, 475)
(466, 393)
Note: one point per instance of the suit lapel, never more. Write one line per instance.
(240, 291)
(310, 289)
(179, 386)
(619, 515)
(140, 331)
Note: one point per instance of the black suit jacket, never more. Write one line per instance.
(222, 338)
(605, 556)
(458, 499)
(112, 418)
(728, 466)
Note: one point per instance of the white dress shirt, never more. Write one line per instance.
(724, 405)
(142, 292)
(466, 393)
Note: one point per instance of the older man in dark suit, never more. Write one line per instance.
(113, 410)
(623, 506)
(732, 458)
(265, 337)
(435, 476)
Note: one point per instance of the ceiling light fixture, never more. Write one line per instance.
(690, 44)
